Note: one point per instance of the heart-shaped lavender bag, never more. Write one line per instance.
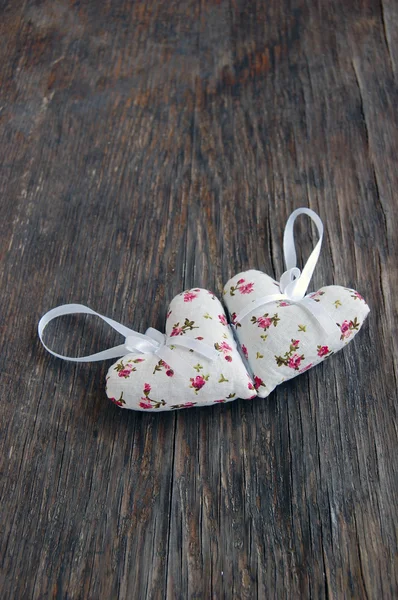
(282, 331)
(196, 363)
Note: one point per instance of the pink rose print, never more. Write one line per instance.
(199, 338)
(291, 359)
(305, 368)
(224, 347)
(198, 382)
(247, 288)
(265, 321)
(119, 402)
(168, 314)
(258, 382)
(348, 327)
(294, 362)
(163, 365)
(176, 331)
(282, 303)
(250, 385)
(223, 320)
(189, 296)
(145, 403)
(125, 370)
(188, 326)
(242, 286)
(323, 350)
(345, 329)
(245, 352)
(124, 373)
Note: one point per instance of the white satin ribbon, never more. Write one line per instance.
(153, 342)
(294, 283)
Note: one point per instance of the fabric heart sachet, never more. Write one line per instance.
(195, 363)
(283, 332)
(278, 331)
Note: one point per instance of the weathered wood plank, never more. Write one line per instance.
(147, 147)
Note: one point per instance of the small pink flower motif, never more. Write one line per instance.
(176, 331)
(245, 352)
(219, 401)
(117, 402)
(168, 314)
(228, 358)
(295, 343)
(264, 322)
(147, 388)
(283, 303)
(250, 385)
(197, 382)
(240, 282)
(169, 372)
(138, 360)
(323, 350)
(294, 361)
(124, 373)
(145, 403)
(189, 296)
(223, 320)
(358, 295)
(199, 338)
(257, 382)
(246, 289)
(345, 329)
(189, 404)
(306, 368)
(224, 347)
(251, 397)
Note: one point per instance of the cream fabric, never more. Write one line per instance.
(280, 339)
(143, 382)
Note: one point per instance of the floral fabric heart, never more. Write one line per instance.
(145, 382)
(282, 339)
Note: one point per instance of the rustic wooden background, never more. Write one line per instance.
(148, 146)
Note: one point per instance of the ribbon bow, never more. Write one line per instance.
(152, 342)
(294, 283)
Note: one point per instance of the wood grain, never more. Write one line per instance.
(154, 145)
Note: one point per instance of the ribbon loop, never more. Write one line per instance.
(152, 342)
(296, 290)
(294, 283)
(287, 280)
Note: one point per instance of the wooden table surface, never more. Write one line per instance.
(147, 147)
